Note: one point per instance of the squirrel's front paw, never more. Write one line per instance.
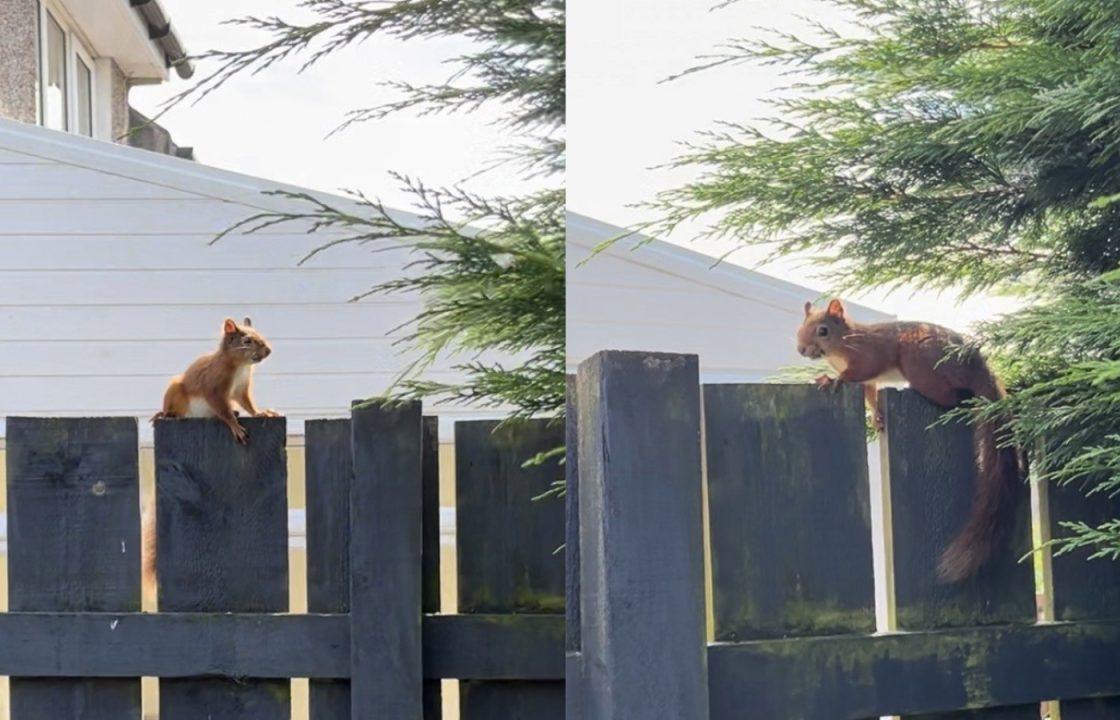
(240, 434)
(269, 413)
(824, 382)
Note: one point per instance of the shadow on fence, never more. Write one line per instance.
(223, 642)
(790, 532)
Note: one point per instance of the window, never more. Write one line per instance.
(67, 76)
(83, 97)
(54, 75)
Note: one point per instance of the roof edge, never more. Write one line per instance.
(168, 171)
(163, 35)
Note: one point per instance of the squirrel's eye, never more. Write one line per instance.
(822, 330)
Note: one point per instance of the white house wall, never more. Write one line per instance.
(109, 285)
(663, 297)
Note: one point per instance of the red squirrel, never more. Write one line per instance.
(214, 382)
(930, 358)
(209, 389)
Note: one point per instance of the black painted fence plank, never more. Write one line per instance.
(494, 647)
(573, 682)
(329, 472)
(789, 511)
(858, 677)
(181, 645)
(222, 529)
(73, 545)
(386, 556)
(328, 469)
(1084, 589)
(932, 480)
(507, 545)
(430, 585)
(932, 471)
(641, 537)
(1015, 712)
(1092, 709)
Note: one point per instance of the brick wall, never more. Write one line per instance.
(18, 63)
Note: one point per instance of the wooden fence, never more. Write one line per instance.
(770, 485)
(223, 643)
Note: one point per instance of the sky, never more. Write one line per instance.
(623, 120)
(275, 125)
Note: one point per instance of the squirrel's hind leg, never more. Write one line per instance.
(175, 401)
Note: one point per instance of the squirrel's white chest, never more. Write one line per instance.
(241, 379)
(890, 378)
(197, 407)
(837, 362)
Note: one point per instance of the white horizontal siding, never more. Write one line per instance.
(665, 298)
(10, 157)
(162, 358)
(109, 285)
(199, 323)
(231, 286)
(603, 303)
(193, 216)
(162, 252)
(53, 181)
(39, 395)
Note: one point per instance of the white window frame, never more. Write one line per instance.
(78, 53)
(45, 16)
(75, 49)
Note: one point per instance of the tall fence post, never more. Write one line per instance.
(641, 537)
(386, 540)
(573, 665)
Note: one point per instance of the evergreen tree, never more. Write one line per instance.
(965, 144)
(492, 269)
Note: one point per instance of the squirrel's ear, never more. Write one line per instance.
(247, 322)
(229, 326)
(808, 307)
(836, 308)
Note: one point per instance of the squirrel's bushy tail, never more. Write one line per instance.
(993, 506)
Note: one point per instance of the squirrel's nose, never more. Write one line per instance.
(267, 351)
(800, 349)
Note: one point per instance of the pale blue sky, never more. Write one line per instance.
(273, 125)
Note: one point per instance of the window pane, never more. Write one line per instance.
(84, 96)
(54, 76)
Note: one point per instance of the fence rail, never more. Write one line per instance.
(788, 532)
(223, 644)
(241, 645)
